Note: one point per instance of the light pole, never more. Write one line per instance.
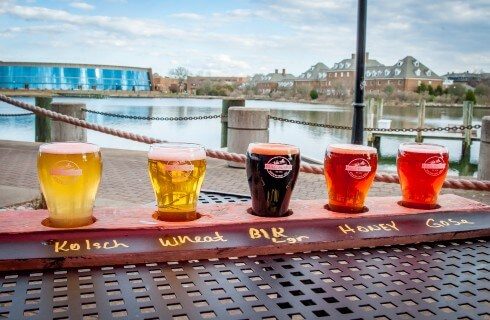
(360, 84)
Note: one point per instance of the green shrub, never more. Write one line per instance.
(470, 96)
(313, 94)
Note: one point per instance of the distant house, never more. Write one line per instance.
(470, 78)
(313, 78)
(342, 75)
(405, 75)
(271, 81)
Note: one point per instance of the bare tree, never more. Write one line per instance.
(180, 73)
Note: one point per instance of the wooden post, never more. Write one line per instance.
(61, 131)
(246, 125)
(379, 111)
(370, 120)
(421, 121)
(226, 104)
(43, 124)
(467, 120)
(484, 157)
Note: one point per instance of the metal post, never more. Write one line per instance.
(357, 120)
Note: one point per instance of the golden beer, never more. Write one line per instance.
(176, 172)
(69, 175)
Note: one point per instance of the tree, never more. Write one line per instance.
(313, 94)
(457, 90)
(430, 90)
(389, 90)
(181, 74)
(421, 88)
(438, 91)
(470, 96)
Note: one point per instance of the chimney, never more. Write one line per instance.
(283, 72)
(276, 71)
(353, 56)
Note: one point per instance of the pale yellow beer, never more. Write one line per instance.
(69, 175)
(176, 172)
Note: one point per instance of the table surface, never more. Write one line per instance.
(446, 280)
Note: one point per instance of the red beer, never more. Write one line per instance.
(422, 168)
(349, 173)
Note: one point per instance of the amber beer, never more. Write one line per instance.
(69, 175)
(272, 170)
(349, 173)
(422, 169)
(176, 172)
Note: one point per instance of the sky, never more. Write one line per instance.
(218, 37)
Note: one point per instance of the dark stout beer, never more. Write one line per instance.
(422, 169)
(272, 169)
(349, 173)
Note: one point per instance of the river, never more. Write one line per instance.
(312, 140)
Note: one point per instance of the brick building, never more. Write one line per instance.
(165, 84)
(313, 78)
(341, 77)
(406, 75)
(270, 82)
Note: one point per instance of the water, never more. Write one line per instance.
(312, 140)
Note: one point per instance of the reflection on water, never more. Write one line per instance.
(312, 140)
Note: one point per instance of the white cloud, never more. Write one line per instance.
(82, 5)
(187, 16)
(120, 24)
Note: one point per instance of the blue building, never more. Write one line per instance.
(67, 76)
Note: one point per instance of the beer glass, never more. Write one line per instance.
(349, 173)
(176, 172)
(422, 169)
(272, 169)
(69, 175)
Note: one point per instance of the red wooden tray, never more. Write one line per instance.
(131, 235)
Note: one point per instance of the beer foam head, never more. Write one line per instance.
(346, 148)
(176, 152)
(422, 148)
(68, 148)
(272, 149)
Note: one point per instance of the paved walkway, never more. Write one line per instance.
(125, 179)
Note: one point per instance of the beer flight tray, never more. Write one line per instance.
(131, 235)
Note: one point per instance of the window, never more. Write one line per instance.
(379, 82)
(335, 74)
(399, 82)
(419, 82)
(341, 74)
(330, 83)
(430, 82)
(348, 74)
(388, 81)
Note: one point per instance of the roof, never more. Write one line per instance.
(350, 64)
(274, 77)
(70, 65)
(408, 67)
(315, 72)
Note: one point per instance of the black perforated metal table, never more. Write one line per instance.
(442, 280)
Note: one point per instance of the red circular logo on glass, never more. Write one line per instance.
(358, 168)
(434, 166)
(278, 167)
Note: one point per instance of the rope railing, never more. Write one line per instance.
(223, 155)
